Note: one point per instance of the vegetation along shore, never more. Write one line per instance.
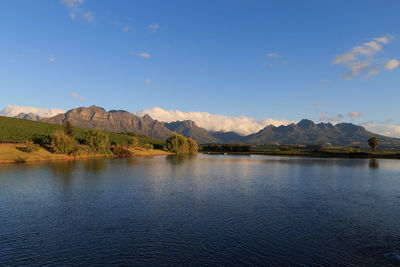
(30, 141)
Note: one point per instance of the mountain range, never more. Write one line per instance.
(305, 132)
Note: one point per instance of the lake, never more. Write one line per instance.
(201, 210)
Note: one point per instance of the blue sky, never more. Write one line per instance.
(259, 59)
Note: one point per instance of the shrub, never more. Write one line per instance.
(148, 146)
(63, 144)
(121, 152)
(30, 146)
(133, 142)
(96, 140)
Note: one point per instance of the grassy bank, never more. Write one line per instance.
(14, 130)
(14, 153)
(17, 134)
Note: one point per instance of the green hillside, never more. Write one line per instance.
(14, 130)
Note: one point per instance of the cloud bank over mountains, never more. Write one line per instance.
(383, 129)
(245, 125)
(12, 111)
(242, 125)
(212, 122)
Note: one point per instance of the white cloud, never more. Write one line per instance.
(212, 122)
(392, 64)
(12, 111)
(383, 129)
(126, 28)
(76, 96)
(274, 60)
(374, 71)
(147, 81)
(88, 16)
(355, 69)
(72, 3)
(154, 26)
(355, 115)
(52, 59)
(362, 58)
(146, 55)
(76, 12)
(323, 117)
(272, 55)
(385, 39)
(143, 54)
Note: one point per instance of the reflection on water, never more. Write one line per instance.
(201, 210)
(373, 164)
(63, 170)
(95, 165)
(179, 159)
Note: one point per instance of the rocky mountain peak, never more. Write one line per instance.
(306, 124)
(29, 116)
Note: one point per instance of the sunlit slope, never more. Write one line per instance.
(14, 130)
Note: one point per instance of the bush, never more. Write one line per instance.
(121, 152)
(133, 142)
(63, 144)
(179, 144)
(148, 146)
(96, 140)
(30, 146)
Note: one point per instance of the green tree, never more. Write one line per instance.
(62, 143)
(133, 142)
(373, 142)
(68, 129)
(179, 144)
(193, 147)
(96, 140)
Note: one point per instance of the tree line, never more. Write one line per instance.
(93, 141)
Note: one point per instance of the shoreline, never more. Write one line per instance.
(355, 155)
(11, 154)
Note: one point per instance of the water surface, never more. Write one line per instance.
(205, 209)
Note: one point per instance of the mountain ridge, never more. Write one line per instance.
(305, 132)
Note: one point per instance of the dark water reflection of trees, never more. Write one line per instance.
(373, 164)
(179, 159)
(63, 170)
(95, 165)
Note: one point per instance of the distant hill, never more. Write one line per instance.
(95, 117)
(190, 129)
(229, 137)
(306, 132)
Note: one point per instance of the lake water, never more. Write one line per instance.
(201, 210)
